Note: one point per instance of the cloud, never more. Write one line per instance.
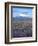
(24, 15)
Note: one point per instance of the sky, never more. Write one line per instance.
(24, 12)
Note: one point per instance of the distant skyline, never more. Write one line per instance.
(24, 12)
